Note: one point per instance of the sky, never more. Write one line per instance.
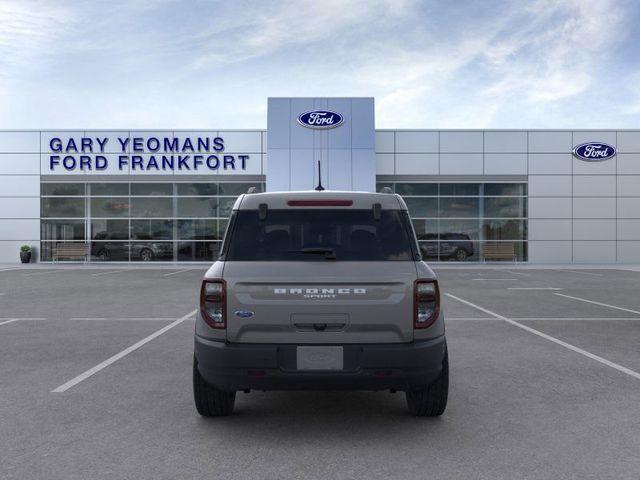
(429, 64)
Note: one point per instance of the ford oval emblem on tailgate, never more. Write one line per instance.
(321, 119)
(243, 314)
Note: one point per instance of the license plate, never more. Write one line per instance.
(319, 358)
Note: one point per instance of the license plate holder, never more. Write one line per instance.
(320, 358)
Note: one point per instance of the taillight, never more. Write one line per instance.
(426, 303)
(213, 303)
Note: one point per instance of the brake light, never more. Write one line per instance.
(213, 303)
(320, 203)
(426, 303)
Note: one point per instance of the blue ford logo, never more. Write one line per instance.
(243, 314)
(321, 119)
(594, 151)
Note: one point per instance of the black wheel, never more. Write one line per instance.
(431, 401)
(461, 255)
(211, 402)
(146, 255)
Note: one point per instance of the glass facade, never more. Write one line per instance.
(146, 221)
(455, 221)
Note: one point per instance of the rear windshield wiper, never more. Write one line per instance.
(329, 253)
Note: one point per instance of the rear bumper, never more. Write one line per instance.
(407, 367)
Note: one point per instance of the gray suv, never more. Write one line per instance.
(320, 291)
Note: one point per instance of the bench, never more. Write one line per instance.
(499, 251)
(70, 250)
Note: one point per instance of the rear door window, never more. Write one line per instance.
(319, 235)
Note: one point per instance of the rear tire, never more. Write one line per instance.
(211, 402)
(432, 400)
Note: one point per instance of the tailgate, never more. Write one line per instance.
(320, 302)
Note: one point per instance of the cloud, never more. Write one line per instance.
(28, 30)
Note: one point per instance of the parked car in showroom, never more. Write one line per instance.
(320, 291)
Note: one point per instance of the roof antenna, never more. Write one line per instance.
(319, 188)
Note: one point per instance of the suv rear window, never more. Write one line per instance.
(318, 235)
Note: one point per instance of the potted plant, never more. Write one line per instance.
(25, 253)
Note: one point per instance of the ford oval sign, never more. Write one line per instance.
(321, 119)
(243, 314)
(594, 151)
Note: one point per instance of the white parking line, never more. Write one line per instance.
(566, 345)
(495, 279)
(534, 288)
(598, 303)
(579, 272)
(133, 319)
(11, 320)
(92, 371)
(106, 273)
(175, 273)
(9, 269)
(517, 273)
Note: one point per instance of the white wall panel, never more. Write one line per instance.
(594, 229)
(20, 229)
(550, 252)
(505, 163)
(278, 177)
(594, 186)
(114, 141)
(550, 207)
(550, 142)
(629, 142)
(629, 207)
(461, 164)
(385, 164)
(585, 136)
(19, 142)
(629, 229)
(19, 185)
(629, 186)
(417, 142)
(505, 142)
(385, 142)
(417, 164)
(605, 167)
(594, 252)
(264, 141)
(461, 142)
(550, 164)
(363, 169)
(550, 229)
(63, 136)
(20, 207)
(339, 170)
(10, 250)
(19, 164)
(340, 137)
(303, 169)
(549, 185)
(629, 252)
(363, 125)
(628, 163)
(594, 207)
(137, 147)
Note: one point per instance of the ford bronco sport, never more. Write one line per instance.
(320, 290)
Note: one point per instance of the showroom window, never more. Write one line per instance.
(455, 221)
(144, 221)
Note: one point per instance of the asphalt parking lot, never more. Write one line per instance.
(95, 368)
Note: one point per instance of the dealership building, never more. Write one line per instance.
(536, 196)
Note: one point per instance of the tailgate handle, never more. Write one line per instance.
(320, 327)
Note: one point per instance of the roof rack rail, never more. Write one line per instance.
(252, 190)
(386, 190)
